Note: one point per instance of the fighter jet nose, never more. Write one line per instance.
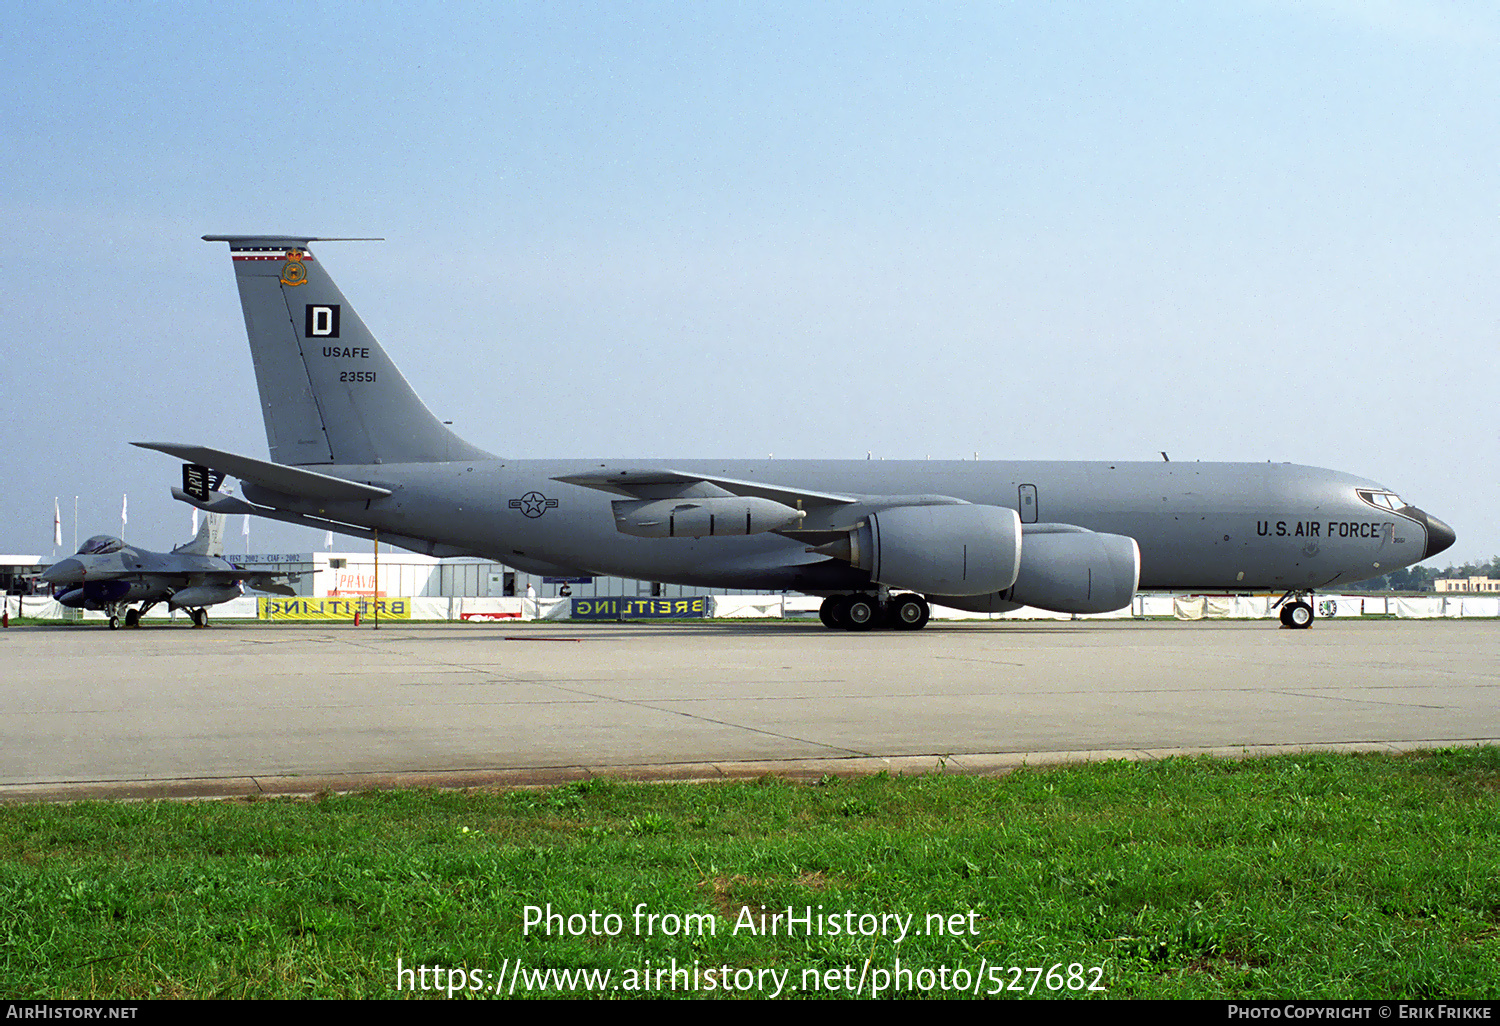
(1439, 535)
(62, 573)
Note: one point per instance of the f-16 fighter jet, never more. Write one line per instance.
(106, 574)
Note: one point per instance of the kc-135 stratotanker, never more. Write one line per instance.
(353, 449)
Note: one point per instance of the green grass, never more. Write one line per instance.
(1310, 876)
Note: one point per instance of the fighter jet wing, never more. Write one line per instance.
(651, 483)
(275, 476)
(274, 583)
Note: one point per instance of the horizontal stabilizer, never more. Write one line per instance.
(274, 476)
(218, 502)
(271, 585)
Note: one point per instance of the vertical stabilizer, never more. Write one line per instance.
(328, 391)
(209, 541)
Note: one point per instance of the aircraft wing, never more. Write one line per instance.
(649, 483)
(785, 509)
(277, 583)
(274, 476)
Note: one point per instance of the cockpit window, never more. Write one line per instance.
(100, 544)
(1389, 501)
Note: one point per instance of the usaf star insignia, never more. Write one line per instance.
(533, 504)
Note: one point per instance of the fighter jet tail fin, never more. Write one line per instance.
(328, 391)
(209, 540)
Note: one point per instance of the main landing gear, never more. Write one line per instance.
(132, 617)
(861, 612)
(1298, 613)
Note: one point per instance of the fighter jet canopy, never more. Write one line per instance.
(100, 544)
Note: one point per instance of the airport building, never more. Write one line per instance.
(1466, 584)
(16, 571)
(411, 575)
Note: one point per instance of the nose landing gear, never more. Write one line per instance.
(1297, 614)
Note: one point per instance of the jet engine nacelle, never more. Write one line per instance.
(1066, 571)
(203, 595)
(703, 518)
(958, 549)
(1077, 572)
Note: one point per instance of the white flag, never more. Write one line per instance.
(195, 521)
(56, 522)
(124, 505)
(330, 541)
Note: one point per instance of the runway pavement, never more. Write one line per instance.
(236, 709)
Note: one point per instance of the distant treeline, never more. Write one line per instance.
(1420, 578)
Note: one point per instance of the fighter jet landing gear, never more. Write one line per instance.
(1297, 614)
(198, 616)
(860, 612)
(133, 616)
(115, 610)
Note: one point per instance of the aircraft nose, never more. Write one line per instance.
(63, 572)
(1439, 535)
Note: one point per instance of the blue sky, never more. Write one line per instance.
(1233, 231)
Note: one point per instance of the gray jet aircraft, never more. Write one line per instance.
(106, 574)
(353, 449)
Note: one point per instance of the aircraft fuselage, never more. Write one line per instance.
(1199, 526)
